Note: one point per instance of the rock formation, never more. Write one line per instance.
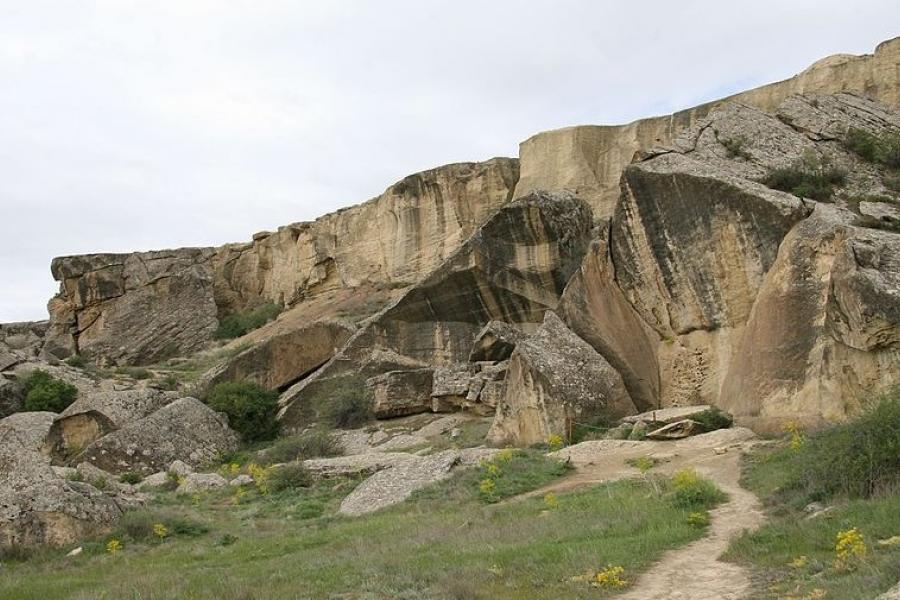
(588, 160)
(143, 307)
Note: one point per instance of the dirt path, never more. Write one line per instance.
(692, 572)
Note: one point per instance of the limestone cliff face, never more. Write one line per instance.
(588, 160)
(512, 269)
(713, 288)
(141, 307)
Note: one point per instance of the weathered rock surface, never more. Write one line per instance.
(94, 415)
(495, 342)
(12, 397)
(278, 361)
(398, 393)
(512, 269)
(355, 464)
(201, 482)
(397, 483)
(891, 594)
(589, 160)
(664, 416)
(39, 507)
(185, 429)
(20, 342)
(142, 307)
(555, 381)
(28, 428)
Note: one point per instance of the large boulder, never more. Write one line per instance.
(398, 393)
(512, 269)
(39, 507)
(29, 428)
(556, 381)
(185, 429)
(495, 342)
(283, 358)
(12, 398)
(825, 327)
(95, 414)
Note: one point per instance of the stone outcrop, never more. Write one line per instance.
(280, 360)
(20, 342)
(185, 429)
(12, 397)
(96, 414)
(512, 269)
(495, 342)
(588, 160)
(29, 428)
(556, 381)
(37, 506)
(398, 393)
(143, 307)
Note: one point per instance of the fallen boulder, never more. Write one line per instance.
(185, 429)
(29, 428)
(398, 393)
(555, 381)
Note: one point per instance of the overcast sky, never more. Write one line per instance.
(140, 125)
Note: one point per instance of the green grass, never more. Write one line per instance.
(853, 469)
(809, 177)
(443, 543)
(241, 323)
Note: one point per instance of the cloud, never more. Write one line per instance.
(138, 125)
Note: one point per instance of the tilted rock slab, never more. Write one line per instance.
(185, 429)
(513, 269)
(397, 483)
(29, 428)
(555, 381)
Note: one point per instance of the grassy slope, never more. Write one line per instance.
(443, 543)
(789, 535)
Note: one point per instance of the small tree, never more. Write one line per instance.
(251, 408)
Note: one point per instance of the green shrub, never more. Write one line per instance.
(45, 392)
(692, 492)
(857, 459)
(314, 443)
(238, 324)
(291, 476)
(251, 408)
(734, 147)
(713, 419)
(881, 149)
(77, 361)
(892, 182)
(345, 403)
(810, 177)
(169, 383)
(131, 477)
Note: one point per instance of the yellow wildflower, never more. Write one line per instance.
(113, 546)
(160, 530)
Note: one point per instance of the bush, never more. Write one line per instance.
(45, 392)
(238, 324)
(251, 408)
(713, 419)
(881, 149)
(314, 443)
(810, 177)
(291, 476)
(693, 492)
(345, 403)
(134, 372)
(77, 361)
(734, 147)
(131, 477)
(858, 459)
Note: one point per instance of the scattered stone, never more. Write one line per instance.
(639, 431)
(75, 551)
(241, 480)
(155, 480)
(395, 484)
(201, 482)
(180, 468)
(358, 464)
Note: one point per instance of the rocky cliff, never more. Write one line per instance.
(588, 160)
(141, 307)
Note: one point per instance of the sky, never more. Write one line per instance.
(141, 125)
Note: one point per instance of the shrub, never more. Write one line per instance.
(77, 361)
(251, 408)
(857, 459)
(291, 476)
(881, 149)
(713, 419)
(734, 147)
(313, 443)
(131, 477)
(892, 182)
(169, 383)
(238, 324)
(345, 403)
(45, 392)
(810, 177)
(693, 492)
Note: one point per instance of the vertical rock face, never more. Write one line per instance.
(132, 308)
(555, 382)
(513, 269)
(715, 289)
(588, 160)
(142, 307)
(825, 328)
